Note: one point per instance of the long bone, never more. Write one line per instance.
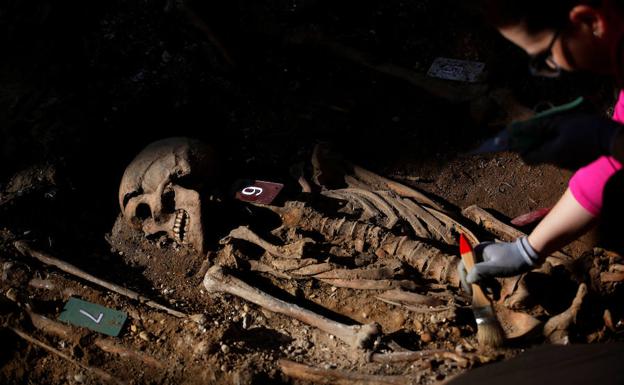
(360, 336)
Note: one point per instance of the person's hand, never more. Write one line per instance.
(499, 260)
(566, 140)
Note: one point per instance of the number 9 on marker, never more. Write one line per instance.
(259, 191)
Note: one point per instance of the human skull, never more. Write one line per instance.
(159, 191)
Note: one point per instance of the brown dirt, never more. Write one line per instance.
(86, 87)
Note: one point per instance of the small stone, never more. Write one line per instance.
(144, 336)
(225, 349)
(331, 337)
(364, 315)
(225, 368)
(334, 288)
(418, 325)
(246, 308)
(11, 294)
(245, 322)
(79, 377)
(133, 328)
(426, 337)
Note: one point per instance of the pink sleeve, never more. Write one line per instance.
(588, 182)
(618, 110)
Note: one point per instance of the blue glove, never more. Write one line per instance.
(499, 260)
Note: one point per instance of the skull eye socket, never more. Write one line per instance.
(168, 200)
(143, 211)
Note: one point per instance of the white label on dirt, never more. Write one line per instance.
(459, 70)
(252, 190)
(96, 320)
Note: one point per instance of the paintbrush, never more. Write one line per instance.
(489, 331)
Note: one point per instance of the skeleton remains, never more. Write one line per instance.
(384, 237)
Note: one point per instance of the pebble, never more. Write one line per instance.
(133, 328)
(144, 336)
(426, 337)
(245, 322)
(79, 377)
(225, 349)
(225, 368)
(418, 325)
(246, 308)
(11, 294)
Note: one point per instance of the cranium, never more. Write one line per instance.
(160, 189)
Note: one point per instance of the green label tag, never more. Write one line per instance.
(92, 316)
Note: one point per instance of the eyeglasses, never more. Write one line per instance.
(543, 64)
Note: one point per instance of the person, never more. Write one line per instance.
(562, 35)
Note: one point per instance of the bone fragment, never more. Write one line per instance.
(264, 268)
(335, 376)
(300, 265)
(55, 328)
(407, 214)
(371, 284)
(388, 271)
(38, 283)
(453, 226)
(361, 336)
(368, 210)
(377, 201)
(297, 172)
(409, 298)
(24, 248)
(112, 347)
(556, 329)
(608, 277)
(382, 183)
(608, 320)
(95, 371)
(462, 360)
(292, 250)
(487, 220)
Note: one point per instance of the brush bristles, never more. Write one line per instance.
(490, 334)
(489, 331)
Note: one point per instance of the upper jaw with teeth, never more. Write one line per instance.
(180, 225)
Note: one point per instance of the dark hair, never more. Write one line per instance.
(538, 15)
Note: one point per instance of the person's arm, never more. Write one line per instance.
(567, 221)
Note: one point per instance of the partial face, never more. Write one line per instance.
(581, 46)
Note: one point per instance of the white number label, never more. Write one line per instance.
(252, 190)
(92, 318)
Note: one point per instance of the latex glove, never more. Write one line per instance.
(566, 140)
(499, 260)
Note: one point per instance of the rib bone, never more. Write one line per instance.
(361, 336)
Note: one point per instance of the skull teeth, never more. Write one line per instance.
(180, 225)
